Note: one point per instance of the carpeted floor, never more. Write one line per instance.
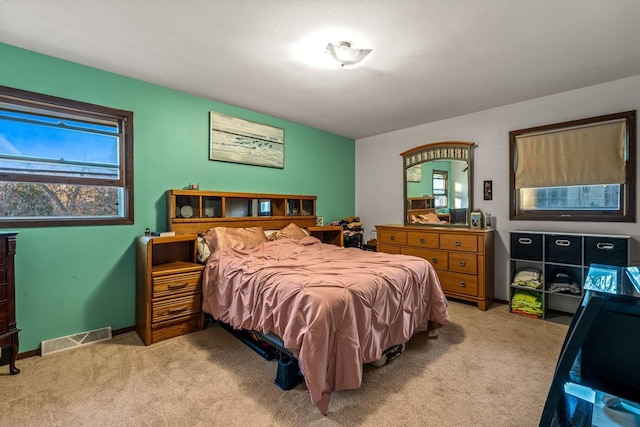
(488, 368)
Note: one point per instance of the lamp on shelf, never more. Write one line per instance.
(345, 54)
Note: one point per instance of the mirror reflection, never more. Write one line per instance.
(438, 183)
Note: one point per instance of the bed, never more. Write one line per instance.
(334, 309)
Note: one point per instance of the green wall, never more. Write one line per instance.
(73, 279)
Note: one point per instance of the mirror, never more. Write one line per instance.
(438, 184)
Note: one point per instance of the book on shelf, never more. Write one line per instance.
(163, 233)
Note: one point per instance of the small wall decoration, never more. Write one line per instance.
(414, 174)
(241, 141)
(488, 190)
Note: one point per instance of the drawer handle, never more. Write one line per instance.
(461, 263)
(525, 241)
(175, 286)
(463, 285)
(178, 309)
(422, 241)
(605, 246)
(434, 261)
(392, 238)
(563, 242)
(458, 242)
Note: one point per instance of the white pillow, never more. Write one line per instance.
(203, 250)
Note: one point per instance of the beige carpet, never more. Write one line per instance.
(486, 369)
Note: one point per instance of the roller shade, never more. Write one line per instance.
(588, 155)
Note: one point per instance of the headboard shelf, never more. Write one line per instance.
(195, 211)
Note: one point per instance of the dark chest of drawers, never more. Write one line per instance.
(8, 329)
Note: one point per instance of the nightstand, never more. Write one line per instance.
(371, 246)
(331, 234)
(168, 287)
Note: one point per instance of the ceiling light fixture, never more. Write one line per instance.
(345, 54)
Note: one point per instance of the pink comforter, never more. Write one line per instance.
(334, 308)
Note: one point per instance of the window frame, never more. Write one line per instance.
(445, 180)
(627, 211)
(63, 106)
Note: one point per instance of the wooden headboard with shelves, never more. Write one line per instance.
(196, 211)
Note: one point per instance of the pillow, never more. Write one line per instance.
(236, 238)
(291, 231)
(268, 233)
(203, 250)
(429, 217)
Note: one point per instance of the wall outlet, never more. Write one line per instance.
(319, 221)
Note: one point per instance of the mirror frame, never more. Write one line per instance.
(445, 150)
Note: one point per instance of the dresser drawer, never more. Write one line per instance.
(605, 250)
(392, 237)
(389, 249)
(423, 240)
(165, 311)
(176, 283)
(438, 259)
(3, 275)
(526, 246)
(3, 260)
(459, 283)
(463, 263)
(459, 242)
(3, 291)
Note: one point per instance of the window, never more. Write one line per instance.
(582, 170)
(440, 192)
(63, 162)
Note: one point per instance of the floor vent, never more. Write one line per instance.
(72, 341)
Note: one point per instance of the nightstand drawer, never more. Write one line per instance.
(174, 329)
(165, 311)
(459, 242)
(463, 263)
(176, 283)
(438, 259)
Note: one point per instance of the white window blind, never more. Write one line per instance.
(586, 155)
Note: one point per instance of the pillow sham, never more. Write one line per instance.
(203, 250)
(291, 231)
(237, 238)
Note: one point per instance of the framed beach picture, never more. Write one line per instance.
(414, 174)
(242, 141)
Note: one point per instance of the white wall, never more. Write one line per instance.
(379, 186)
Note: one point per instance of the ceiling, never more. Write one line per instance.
(431, 59)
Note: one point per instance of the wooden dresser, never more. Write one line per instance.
(8, 330)
(168, 287)
(462, 257)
